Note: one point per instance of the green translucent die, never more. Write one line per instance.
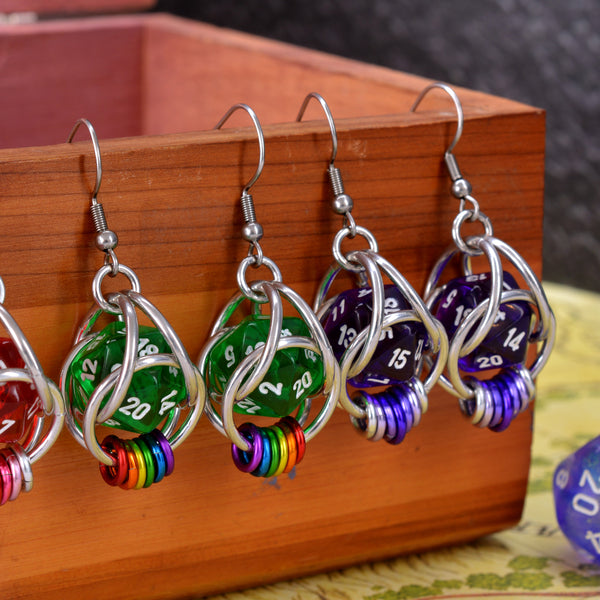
(153, 393)
(295, 373)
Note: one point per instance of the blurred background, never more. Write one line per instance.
(542, 52)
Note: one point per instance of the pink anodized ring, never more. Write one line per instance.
(15, 469)
(24, 466)
(7, 481)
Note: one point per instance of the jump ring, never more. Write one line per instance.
(299, 436)
(25, 466)
(141, 464)
(6, 481)
(148, 461)
(133, 469)
(337, 246)
(275, 453)
(117, 473)
(265, 462)
(463, 216)
(248, 461)
(283, 449)
(243, 284)
(97, 286)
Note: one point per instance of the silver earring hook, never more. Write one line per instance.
(106, 240)
(330, 121)
(459, 110)
(259, 133)
(252, 231)
(461, 188)
(96, 153)
(342, 203)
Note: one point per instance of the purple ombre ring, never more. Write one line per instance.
(367, 424)
(401, 419)
(391, 424)
(248, 460)
(497, 402)
(507, 393)
(521, 389)
(381, 420)
(408, 402)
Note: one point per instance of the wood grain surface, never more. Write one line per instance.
(173, 197)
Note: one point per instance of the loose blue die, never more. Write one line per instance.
(577, 499)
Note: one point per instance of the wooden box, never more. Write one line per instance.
(154, 86)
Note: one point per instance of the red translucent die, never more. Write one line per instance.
(19, 401)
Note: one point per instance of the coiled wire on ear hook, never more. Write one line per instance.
(252, 231)
(106, 240)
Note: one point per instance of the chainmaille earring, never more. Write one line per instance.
(267, 364)
(128, 376)
(488, 318)
(31, 409)
(387, 326)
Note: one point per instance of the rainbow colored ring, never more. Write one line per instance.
(291, 444)
(298, 434)
(160, 463)
(116, 474)
(273, 450)
(132, 468)
(141, 464)
(166, 450)
(265, 463)
(148, 461)
(248, 461)
(283, 450)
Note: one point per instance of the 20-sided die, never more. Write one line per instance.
(397, 356)
(294, 375)
(506, 342)
(154, 391)
(577, 499)
(19, 401)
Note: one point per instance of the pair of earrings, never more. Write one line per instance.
(476, 323)
(140, 379)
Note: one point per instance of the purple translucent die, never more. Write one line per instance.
(506, 342)
(577, 499)
(400, 348)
